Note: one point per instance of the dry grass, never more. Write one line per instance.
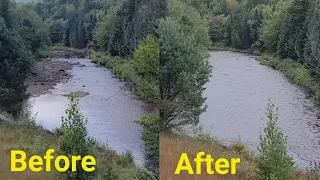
(171, 147)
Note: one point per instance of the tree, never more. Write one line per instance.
(272, 23)
(274, 162)
(312, 46)
(191, 21)
(74, 140)
(136, 19)
(105, 29)
(33, 30)
(293, 32)
(15, 63)
(218, 28)
(5, 12)
(183, 74)
(146, 58)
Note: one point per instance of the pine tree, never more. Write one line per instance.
(15, 63)
(183, 74)
(312, 45)
(293, 31)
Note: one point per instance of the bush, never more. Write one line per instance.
(241, 148)
(274, 162)
(151, 135)
(74, 140)
(147, 90)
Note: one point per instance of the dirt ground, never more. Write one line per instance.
(45, 75)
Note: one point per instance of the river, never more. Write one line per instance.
(238, 94)
(110, 107)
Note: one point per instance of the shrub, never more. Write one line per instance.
(147, 90)
(151, 135)
(74, 140)
(274, 162)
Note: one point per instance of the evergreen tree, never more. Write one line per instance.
(293, 31)
(15, 62)
(136, 19)
(183, 74)
(312, 45)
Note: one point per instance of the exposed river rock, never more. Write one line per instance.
(110, 107)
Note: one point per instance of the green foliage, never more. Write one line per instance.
(15, 63)
(293, 32)
(147, 90)
(141, 174)
(274, 162)
(183, 74)
(72, 23)
(312, 46)
(150, 135)
(295, 71)
(33, 30)
(218, 28)
(272, 23)
(146, 58)
(105, 29)
(74, 140)
(191, 21)
(135, 20)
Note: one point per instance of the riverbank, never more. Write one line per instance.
(28, 136)
(47, 73)
(296, 72)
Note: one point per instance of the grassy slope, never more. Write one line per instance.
(171, 147)
(36, 141)
(30, 139)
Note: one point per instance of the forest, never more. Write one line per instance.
(161, 48)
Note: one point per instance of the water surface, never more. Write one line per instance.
(238, 94)
(110, 107)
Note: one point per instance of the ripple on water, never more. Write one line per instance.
(238, 94)
(110, 109)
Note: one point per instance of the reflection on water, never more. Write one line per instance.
(109, 107)
(238, 94)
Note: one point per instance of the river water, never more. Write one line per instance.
(238, 94)
(110, 107)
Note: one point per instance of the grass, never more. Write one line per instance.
(36, 141)
(295, 72)
(173, 145)
(22, 137)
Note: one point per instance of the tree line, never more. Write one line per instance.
(287, 28)
(23, 35)
(160, 46)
